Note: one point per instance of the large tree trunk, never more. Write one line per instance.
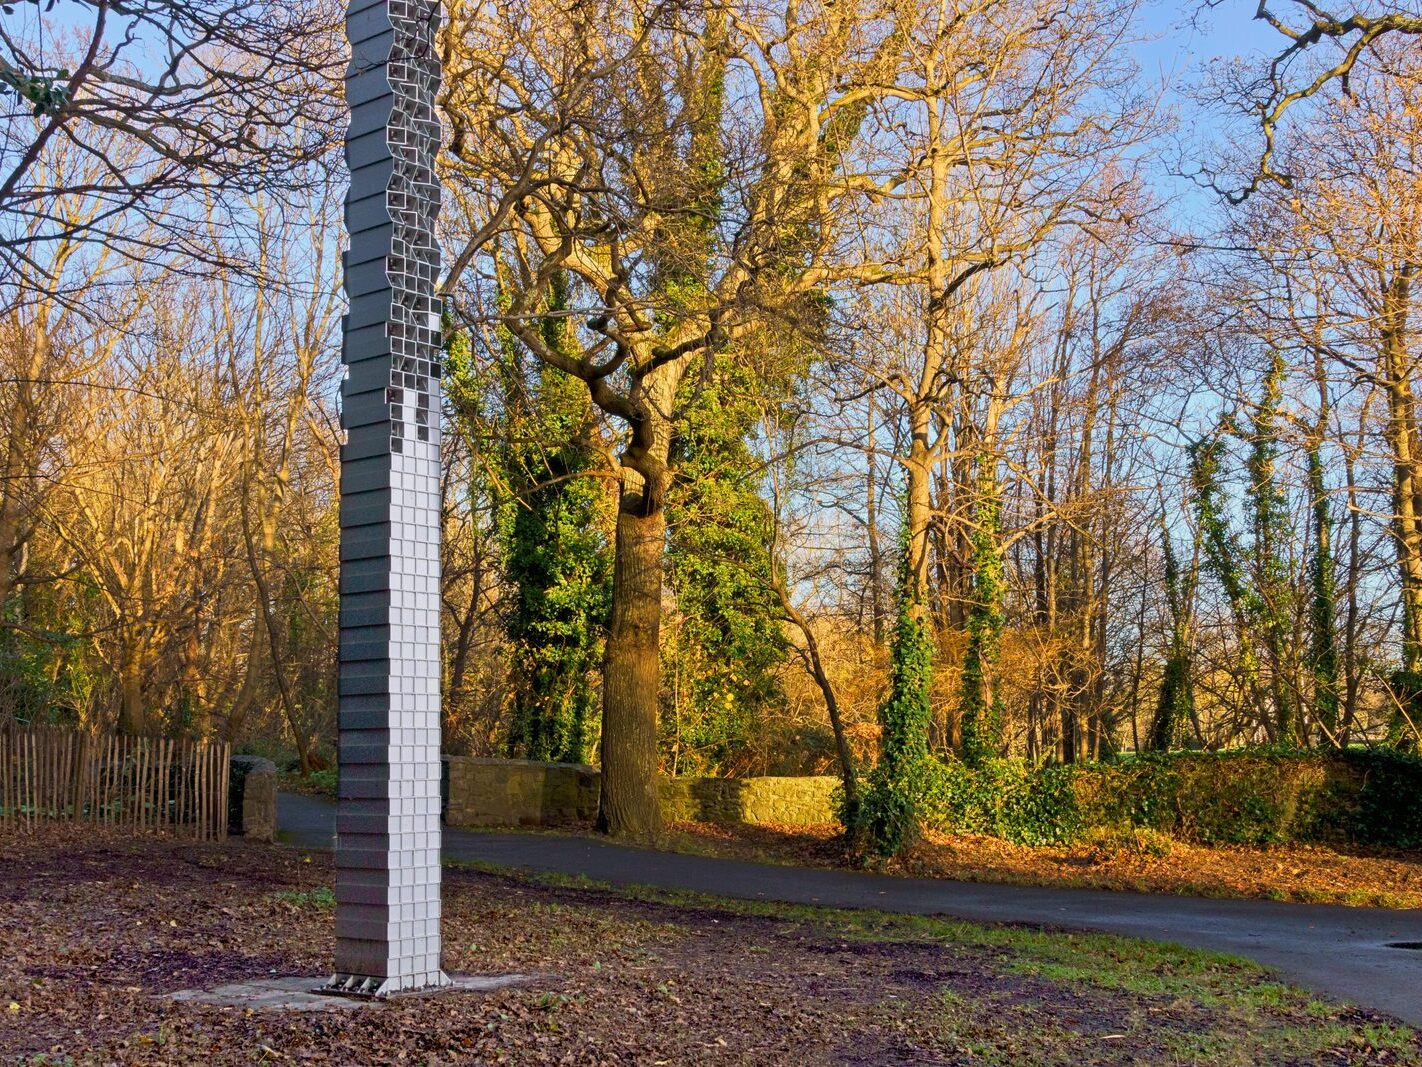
(133, 707)
(632, 674)
(1402, 436)
(632, 667)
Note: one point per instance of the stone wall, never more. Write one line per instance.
(502, 792)
(497, 792)
(759, 801)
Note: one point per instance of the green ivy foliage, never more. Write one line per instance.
(558, 567)
(1177, 690)
(1260, 796)
(557, 562)
(44, 676)
(32, 689)
(47, 94)
(1003, 798)
(1272, 532)
(891, 808)
(1249, 797)
(1407, 690)
(1254, 796)
(1323, 580)
(981, 702)
(1256, 579)
(554, 551)
(731, 643)
(1378, 803)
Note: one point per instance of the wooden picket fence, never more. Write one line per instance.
(138, 784)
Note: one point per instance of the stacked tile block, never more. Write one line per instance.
(388, 831)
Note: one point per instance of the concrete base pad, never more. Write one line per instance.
(304, 993)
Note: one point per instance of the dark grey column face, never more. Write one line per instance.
(388, 844)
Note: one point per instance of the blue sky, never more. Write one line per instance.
(1186, 42)
(1185, 39)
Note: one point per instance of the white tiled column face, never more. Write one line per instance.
(388, 844)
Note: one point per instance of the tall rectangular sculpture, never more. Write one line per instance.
(388, 829)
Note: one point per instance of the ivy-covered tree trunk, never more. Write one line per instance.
(1257, 584)
(732, 640)
(889, 809)
(551, 519)
(1222, 557)
(1273, 601)
(555, 557)
(1323, 625)
(559, 566)
(980, 701)
(1177, 692)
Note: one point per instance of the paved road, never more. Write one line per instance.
(1340, 952)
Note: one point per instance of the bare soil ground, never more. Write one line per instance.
(1148, 863)
(95, 929)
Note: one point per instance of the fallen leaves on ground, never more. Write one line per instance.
(96, 929)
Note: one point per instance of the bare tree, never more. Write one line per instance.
(1324, 45)
(166, 105)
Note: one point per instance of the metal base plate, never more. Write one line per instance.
(308, 994)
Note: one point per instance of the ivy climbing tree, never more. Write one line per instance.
(553, 515)
(1176, 705)
(731, 642)
(557, 561)
(1223, 554)
(980, 700)
(1274, 597)
(46, 93)
(1323, 621)
(1255, 580)
(889, 811)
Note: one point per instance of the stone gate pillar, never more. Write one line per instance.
(387, 823)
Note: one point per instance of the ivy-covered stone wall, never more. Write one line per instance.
(1249, 796)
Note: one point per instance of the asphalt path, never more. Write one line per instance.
(1344, 953)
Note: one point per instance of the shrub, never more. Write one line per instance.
(1250, 796)
(1247, 796)
(1002, 798)
(1373, 798)
(888, 816)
